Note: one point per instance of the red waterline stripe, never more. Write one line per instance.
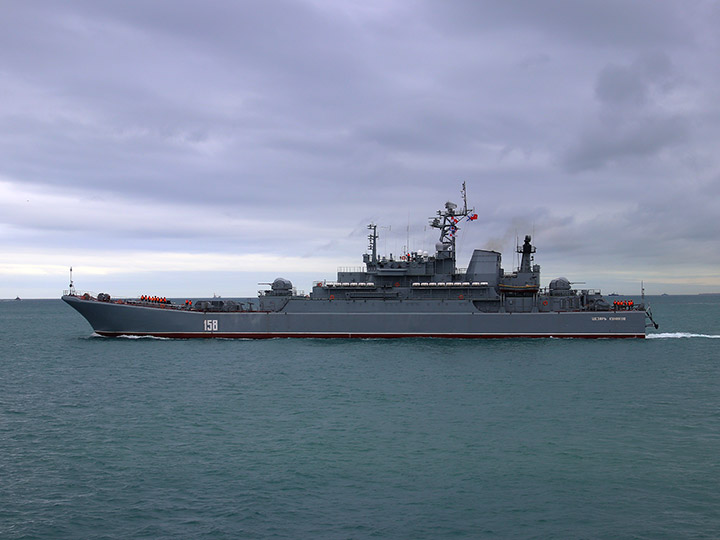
(249, 335)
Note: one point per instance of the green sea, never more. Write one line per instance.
(415, 438)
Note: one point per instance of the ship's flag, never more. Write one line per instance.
(472, 217)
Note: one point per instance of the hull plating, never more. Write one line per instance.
(322, 319)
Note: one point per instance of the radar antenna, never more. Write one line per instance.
(448, 223)
(464, 196)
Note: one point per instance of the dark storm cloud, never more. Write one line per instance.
(630, 86)
(298, 121)
(641, 138)
(620, 85)
(641, 23)
(632, 119)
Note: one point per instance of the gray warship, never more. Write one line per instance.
(416, 295)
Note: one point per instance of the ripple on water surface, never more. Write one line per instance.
(113, 438)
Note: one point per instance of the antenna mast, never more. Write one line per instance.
(72, 287)
(372, 238)
(407, 246)
(447, 221)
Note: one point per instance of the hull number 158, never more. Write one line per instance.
(211, 325)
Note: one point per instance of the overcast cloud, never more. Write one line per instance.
(145, 143)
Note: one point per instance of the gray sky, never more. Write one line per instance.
(184, 148)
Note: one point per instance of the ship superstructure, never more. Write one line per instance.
(417, 294)
(421, 276)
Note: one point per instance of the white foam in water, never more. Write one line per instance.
(127, 336)
(681, 335)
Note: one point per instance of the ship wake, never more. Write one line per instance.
(672, 335)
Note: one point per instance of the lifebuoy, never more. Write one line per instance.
(332, 297)
(544, 302)
(461, 297)
(397, 283)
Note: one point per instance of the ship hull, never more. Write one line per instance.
(347, 319)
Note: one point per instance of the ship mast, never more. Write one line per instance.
(447, 221)
(372, 239)
(526, 250)
(72, 286)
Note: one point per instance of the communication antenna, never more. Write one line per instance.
(407, 231)
(388, 228)
(372, 241)
(72, 287)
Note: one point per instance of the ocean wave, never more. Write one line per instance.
(669, 335)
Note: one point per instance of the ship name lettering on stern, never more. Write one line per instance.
(599, 318)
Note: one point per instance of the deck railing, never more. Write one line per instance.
(351, 269)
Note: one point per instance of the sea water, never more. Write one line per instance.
(416, 438)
